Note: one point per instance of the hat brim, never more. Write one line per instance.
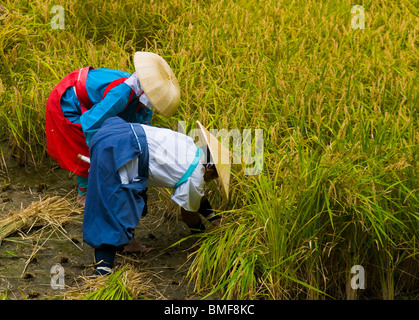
(221, 158)
(158, 82)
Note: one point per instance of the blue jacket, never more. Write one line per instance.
(113, 209)
(112, 105)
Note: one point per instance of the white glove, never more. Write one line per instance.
(135, 85)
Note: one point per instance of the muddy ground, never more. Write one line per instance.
(21, 279)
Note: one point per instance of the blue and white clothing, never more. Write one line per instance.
(126, 158)
(171, 153)
(116, 102)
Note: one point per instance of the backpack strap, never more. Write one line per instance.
(114, 84)
(81, 91)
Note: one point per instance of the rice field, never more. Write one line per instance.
(337, 106)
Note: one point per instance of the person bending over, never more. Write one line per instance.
(126, 159)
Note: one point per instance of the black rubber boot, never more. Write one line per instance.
(104, 258)
(197, 228)
(207, 212)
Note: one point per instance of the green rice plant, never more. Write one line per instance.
(4, 295)
(35, 57)
(249, 257)
(113, 289)
(126, 283)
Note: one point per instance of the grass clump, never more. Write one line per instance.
(126, 283)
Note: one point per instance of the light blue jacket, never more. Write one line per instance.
(112, 105)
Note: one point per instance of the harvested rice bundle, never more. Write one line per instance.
(52, 211)
(125, 284)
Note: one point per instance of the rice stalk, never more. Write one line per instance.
(51, 212)
(126, 283)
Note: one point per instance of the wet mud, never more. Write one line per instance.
(26, 258)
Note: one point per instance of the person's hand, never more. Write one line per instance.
(215, 224)
(134, 84)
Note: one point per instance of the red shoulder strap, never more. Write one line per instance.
(114, 84)
(81, 89)
(82, 95)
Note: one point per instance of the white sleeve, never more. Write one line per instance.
(129, 172)
(188, 195)
(135, 85)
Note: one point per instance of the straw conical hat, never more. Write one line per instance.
(158, 82)
(220, 156)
